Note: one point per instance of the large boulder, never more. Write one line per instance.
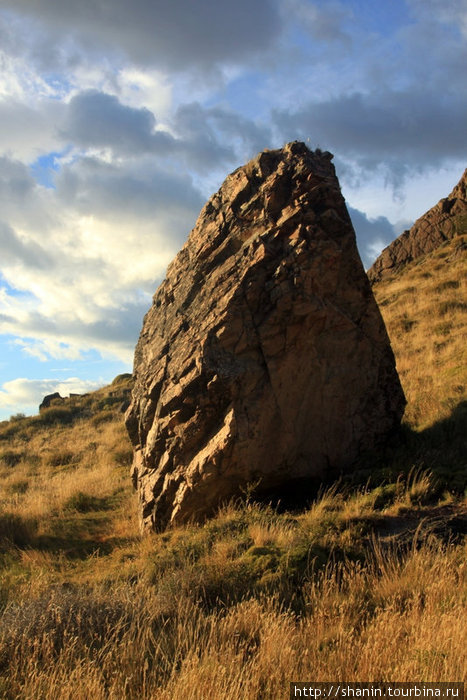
(264, 358)
(441, 223)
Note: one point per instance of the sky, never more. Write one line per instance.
(118, 120)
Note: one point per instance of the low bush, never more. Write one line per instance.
(11, 458)
(15, 530)
(104, 416)
(60, 415)
(123, 457)
(60, 458)
(18, 487)
(85, 503)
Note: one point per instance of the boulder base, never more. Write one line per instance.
(264, 357)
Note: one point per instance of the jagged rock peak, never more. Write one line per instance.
(264, 357)
(444, 221)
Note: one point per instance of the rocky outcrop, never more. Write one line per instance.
(264, 358)
(444, 221)
(51, 399)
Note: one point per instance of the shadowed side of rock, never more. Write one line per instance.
(264, 357)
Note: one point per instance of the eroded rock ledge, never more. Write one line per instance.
(264, 356)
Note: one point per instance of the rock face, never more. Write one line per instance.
(264, 356)
(444, 221)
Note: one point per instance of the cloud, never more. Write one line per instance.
(174, 35)
(25, 206)
(21, 125)
(18, 252)
(324, 23)
(90, 252)
(97, 119)
(215, 137)
(453, 13)
(135, 190)
(113, 332)
(372, 235)
(204, 137)
(25, 395)
(395, 130)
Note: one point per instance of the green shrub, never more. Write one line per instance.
(453, 305)
(18, 487)
(102, 417)
(449, 284)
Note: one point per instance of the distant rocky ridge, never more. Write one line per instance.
(118, 390)
(264, 358)
(444, 221)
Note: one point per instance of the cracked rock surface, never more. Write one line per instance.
(264, 357)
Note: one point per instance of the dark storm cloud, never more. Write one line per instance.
(205, 138)
(98, 119)
(174, 35)
(397, 129)
(372, 234)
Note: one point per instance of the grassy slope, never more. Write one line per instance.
(368, 582)
(425, 311)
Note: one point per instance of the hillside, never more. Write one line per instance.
(425, 310)
(367, 581)
(440, 224)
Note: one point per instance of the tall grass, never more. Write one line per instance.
(425, 311)
(366, 583)
(396, 618)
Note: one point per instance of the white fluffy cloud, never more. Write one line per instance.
(91, 251)
(24, 395)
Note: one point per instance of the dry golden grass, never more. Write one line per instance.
(73, 459)
(425, 311)
(396, 618)
(366, 583)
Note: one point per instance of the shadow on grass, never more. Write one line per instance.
(440, 449)
(75, 548)
(76, 536)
